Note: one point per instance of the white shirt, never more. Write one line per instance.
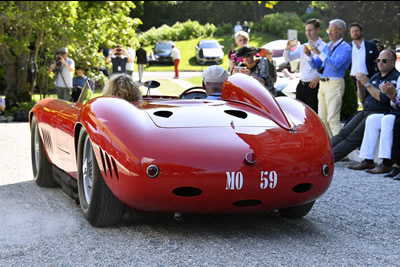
(66, 74)
(397, 103)
(237, 28)
(175, 54)
(132, 53)
(307, 73)
(358, 63)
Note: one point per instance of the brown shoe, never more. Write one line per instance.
(363, 165)
(380, 169)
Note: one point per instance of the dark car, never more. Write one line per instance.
(162, 52)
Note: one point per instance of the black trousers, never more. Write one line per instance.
(396, 142)
(351, 135)
(308, 95)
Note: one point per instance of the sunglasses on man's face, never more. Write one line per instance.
(383, 60)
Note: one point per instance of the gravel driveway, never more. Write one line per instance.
(356, 223)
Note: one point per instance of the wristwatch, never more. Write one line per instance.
(367, 84)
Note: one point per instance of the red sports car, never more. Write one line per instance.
(248, 152)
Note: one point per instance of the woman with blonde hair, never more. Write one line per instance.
(123, 85)
(241, 39)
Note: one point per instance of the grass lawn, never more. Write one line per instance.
(188, 55)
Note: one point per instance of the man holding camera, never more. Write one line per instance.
(64, 67)
(119, 57)
(308, 86)
(332, 62)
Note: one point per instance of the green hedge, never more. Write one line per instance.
(349, 99)
(179, 31)
(275, 24)
(278, 24)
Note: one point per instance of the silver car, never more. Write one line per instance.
(209, 51)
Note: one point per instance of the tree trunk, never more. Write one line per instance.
(23, 88)
(14, 60)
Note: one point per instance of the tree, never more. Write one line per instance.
(379, 18)
(37, 29)
(157, 13)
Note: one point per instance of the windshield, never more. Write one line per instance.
(163, 46)
(86, 94)
(278, 53)
(208, 45)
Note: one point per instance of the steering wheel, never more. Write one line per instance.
(196, 92)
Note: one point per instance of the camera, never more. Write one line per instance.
(320, 69)
(57, 60)
(119, 50)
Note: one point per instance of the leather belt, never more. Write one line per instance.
(324, 79)
(304, 83)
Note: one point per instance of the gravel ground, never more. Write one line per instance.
(356, 223)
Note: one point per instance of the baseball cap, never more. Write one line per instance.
(215, 74)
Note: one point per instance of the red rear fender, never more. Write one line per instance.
(247, 90)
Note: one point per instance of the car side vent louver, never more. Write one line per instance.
(47, 140)
(163, 113)
(237, 113)
(102, 161)
(108, 164)
(115, 167)
(107, 157)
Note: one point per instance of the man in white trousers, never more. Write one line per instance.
(379, 129)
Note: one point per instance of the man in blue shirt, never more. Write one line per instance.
(78, 82)
(332, 62)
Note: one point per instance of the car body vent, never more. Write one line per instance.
(109, 164)
(247, 203)
(47, 140)
(237, 113)
(187, 191)
(107, 157)
(115, 168)
(103, 162)
(302, 188)
(163, 113)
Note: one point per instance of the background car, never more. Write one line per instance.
(162, 52)
(278, 47)
(209, 51)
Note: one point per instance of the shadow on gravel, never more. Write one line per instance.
(29, 209)
(267, 225)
